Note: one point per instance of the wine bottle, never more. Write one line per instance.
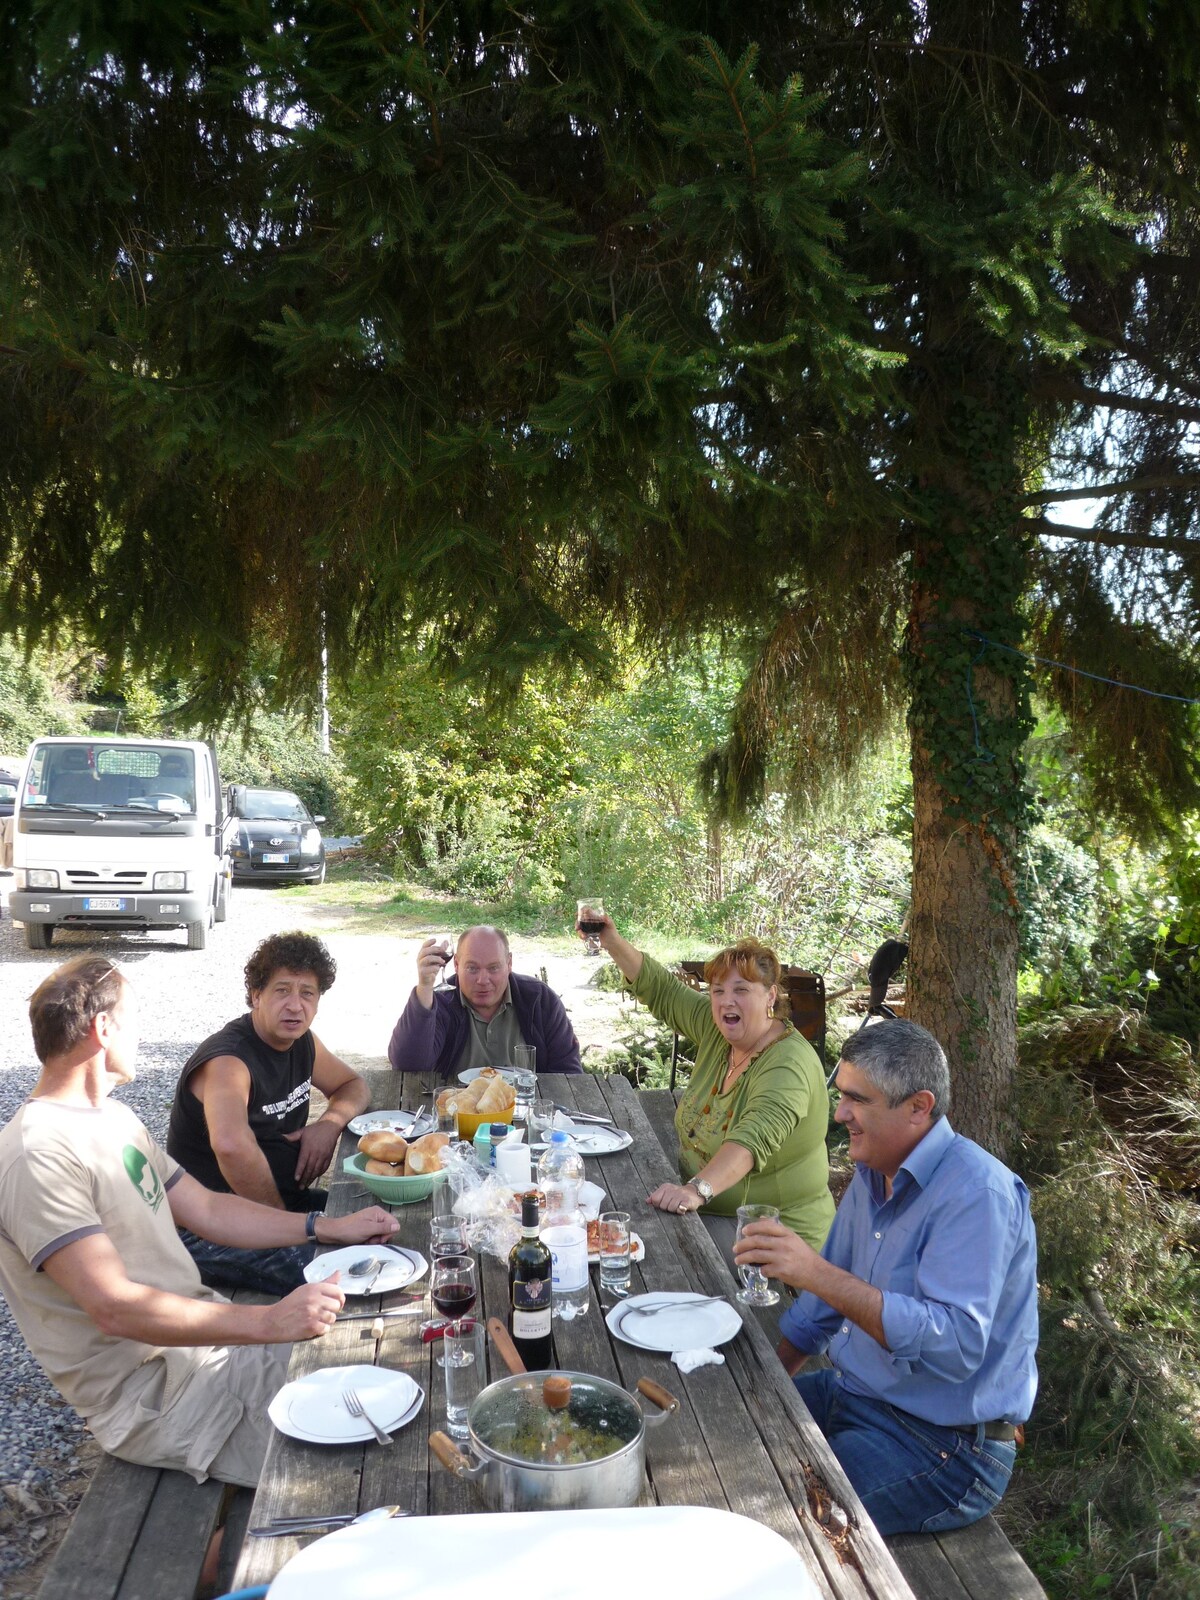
(530, 1306)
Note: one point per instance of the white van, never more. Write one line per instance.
(121, 834)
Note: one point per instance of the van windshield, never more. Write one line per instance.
(272, 805)
(112, 777)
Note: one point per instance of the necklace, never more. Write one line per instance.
(736, 1068)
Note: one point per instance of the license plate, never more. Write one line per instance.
(275, 861)
(102, 902)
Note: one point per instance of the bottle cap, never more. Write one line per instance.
(500, 1130)
(559, 1136)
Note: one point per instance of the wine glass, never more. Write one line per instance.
(453, 1286)
(448, 1235)
(756, 1290)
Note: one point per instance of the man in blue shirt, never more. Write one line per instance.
(924, 1296)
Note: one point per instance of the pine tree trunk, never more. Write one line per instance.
(962, 964)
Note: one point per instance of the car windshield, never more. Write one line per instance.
(94, 775)
(272, 805)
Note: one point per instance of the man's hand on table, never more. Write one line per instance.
(373, 1225)
(306, 1313)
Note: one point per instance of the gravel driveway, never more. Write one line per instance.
(45, 1453)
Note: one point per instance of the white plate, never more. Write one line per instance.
(312, 1408)
(389, 1121)
(600, 1141)
(709, 1554)
(400, 1268)
(509, 1074)
(697, 1327)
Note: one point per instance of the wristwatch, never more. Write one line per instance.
(704, 1189)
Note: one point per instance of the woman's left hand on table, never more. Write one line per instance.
(677, 1197)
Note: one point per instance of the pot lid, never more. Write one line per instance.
(560, 1419)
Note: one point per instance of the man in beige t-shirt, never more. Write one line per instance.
(165, 1371)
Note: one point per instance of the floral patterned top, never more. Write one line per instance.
(778, 1109)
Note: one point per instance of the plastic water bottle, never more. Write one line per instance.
(564, 1232)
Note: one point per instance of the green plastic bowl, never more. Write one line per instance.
(393, 1191)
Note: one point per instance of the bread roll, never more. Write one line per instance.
(384, 1169)
(498, 1096)
(383, 1145)
(426, 1154)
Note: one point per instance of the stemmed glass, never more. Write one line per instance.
(756, 1290)
(447, 1235)
(453, 1286)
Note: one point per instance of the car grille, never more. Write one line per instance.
(87, 880)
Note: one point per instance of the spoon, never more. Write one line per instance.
(369, 1265)
(281, 1526)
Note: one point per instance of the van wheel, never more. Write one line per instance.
(197, 933)
(39, 935)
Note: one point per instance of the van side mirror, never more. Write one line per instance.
(318, 819)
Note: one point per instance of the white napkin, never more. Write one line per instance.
(591, 1198)
(689, 1360)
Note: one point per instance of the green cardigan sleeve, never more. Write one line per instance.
(672, 1002)
(779, 1093)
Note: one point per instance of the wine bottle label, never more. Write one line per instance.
(568, 1251)
(531, 1308)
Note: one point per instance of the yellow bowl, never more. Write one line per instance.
(470, 1122)
(401, 1191)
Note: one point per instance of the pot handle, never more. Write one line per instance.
(451, 1457)
(657, 1395)
(505, 1348)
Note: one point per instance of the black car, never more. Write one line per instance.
(273, 837)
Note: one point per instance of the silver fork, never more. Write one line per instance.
(674, 1305)
(355, 1407)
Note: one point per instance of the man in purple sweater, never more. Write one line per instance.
(478, 1017)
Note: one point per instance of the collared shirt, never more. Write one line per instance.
(953, 1251)
(490, 1044)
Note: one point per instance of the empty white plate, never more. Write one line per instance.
(400, 1268)
(600, 1141)
(694, 1322)
(312, 1408)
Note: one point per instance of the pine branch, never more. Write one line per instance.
(1110, 538)
(1103, 491)
(1058, 388)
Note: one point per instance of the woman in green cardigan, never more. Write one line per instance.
(753, 1119)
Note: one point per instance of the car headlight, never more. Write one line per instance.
(41, 878)
(166, 881)
(311, 842)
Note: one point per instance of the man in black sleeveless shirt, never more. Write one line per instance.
(239, 1121)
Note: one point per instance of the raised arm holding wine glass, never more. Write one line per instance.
(753, 1118)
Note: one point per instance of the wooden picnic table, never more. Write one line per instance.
(742, 1441)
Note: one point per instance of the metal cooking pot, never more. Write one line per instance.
(513, 1430)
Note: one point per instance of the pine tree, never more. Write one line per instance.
(475, 327)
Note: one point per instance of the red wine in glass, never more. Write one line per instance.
(454, 1300)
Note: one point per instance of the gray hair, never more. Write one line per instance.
(901, 1059)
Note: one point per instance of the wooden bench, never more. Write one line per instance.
(142, 1533)
(975, 1563)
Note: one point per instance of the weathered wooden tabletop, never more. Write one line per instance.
(742, 1441)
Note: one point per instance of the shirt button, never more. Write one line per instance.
(845, 1327)
(879, 1236)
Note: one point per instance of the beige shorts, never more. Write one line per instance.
(213, 1424)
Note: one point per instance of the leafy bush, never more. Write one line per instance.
(36, 698)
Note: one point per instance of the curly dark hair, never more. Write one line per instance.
(296, 952)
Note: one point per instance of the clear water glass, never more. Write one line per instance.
(524, 1080)
(541, 1121)
(447, 1235)
(756, 1289)
(615, 1248)
(463, 1371)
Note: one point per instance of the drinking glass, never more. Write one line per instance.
(447, 1235)
(756, 1290)
(615, 1248)
(448, 1121)
(452, 1286)
(541, 1120)
(524, 1063)
(588, 916)
(463, 1369)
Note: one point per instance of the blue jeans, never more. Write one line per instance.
(913, 1476)
(277, 1271)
